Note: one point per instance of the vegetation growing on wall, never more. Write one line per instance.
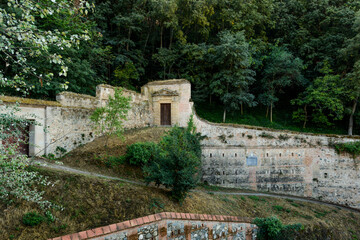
(109, 119)
(352, 148)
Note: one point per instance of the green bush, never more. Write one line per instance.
(113, 161)
(32, 219)
(271, 228)
(141, 153)
(178, 163)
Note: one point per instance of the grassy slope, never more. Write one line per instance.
(282, 119)
(91, 202)
(92, 156)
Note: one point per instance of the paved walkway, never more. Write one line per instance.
(44, 164)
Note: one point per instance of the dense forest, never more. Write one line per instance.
(300, 57)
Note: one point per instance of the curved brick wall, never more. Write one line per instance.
(170, 225)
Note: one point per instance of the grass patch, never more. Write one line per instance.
(281, 209)
(257, 199)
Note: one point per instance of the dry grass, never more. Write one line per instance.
(91, 156)
(91, 202)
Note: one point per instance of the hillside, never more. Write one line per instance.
(91, 202)
(94, 156)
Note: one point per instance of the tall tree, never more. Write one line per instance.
(281, 69)
(233, 76)
(351, 57)
(324, 98)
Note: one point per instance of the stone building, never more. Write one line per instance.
(67, 122)
(261, 159)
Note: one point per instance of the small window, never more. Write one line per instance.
(210, 154)
(280, 154)
(223, 172)
(235, 154)
(223, 154)
(267, 154)
(292, 154)
(325, 175)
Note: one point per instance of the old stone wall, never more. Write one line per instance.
(173, 226)
(279, 161)
(65, 124)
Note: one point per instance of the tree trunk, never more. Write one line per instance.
(267, 111)
(161, 36)
(242, 110)
(129, 36)
(210, 99)
(224, 116)
(271, 112)
(147, 39)
(305, 120)
(171, 38)
(351, 119)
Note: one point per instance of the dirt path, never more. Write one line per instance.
(59, 167)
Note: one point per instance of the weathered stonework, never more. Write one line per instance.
(279, 161)
(173, 226)
(67, 121)
(239, 156)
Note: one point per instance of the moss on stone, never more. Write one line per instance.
(29, 101)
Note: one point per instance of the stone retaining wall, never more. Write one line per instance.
(277, 161)
(171, 225)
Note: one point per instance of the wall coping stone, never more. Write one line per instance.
(105, 230)
(168, 82)
(29, 101)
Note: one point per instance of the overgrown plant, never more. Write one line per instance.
(271, 228)
(178, 163)
(352, 148)
(17, 181)
(109, 119)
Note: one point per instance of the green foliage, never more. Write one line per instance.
(272, 228)
(178, 163)
(352, 148)
(256, 198)
(27, 40)
(17, 180)
(141, 153)
(113, 161)
(280, 209)
(233, 77)
(324, 97)
(108, 120)
(32, 219)
(126, 74)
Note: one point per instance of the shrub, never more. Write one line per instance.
(141, 153)
(266, 135)
(113, 161)
(271, 228)
(178, 162)
(32, 219)
(352, 148)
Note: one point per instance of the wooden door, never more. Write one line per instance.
(165, 113)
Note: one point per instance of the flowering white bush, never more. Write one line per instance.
(16, 180)
(21, 38)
